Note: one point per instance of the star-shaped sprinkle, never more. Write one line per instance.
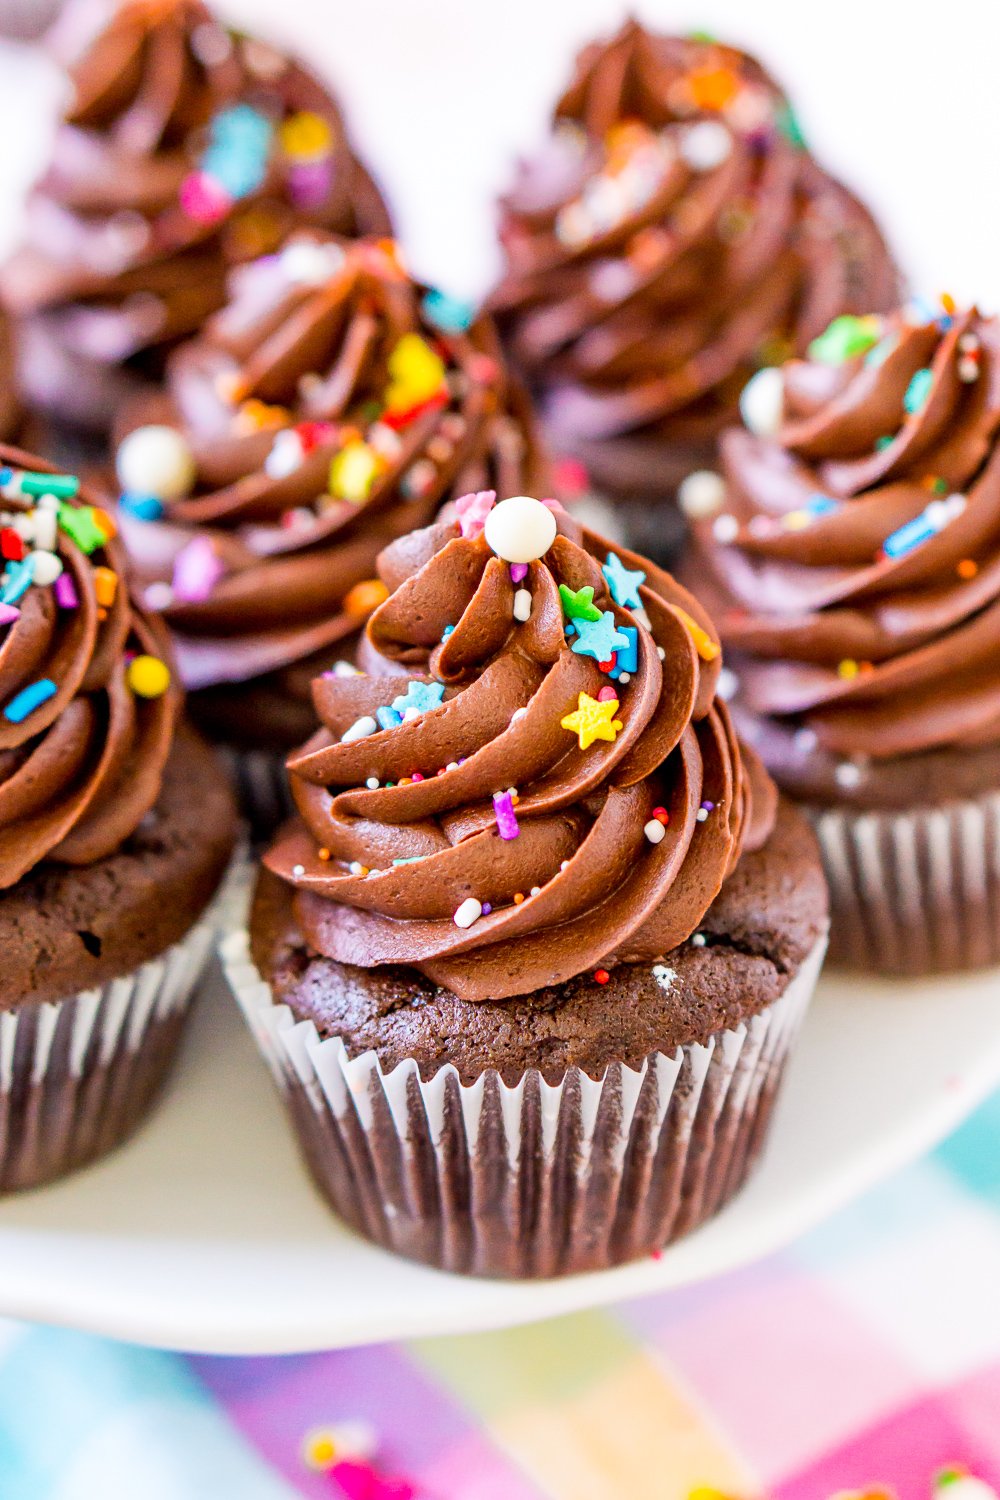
(419, 696)
(473, 509)
(599, 638)
(623, 582)
(592, 720)
(578, 604)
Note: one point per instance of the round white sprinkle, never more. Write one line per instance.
(805, 741)
(654, 831)
(661, 653)
(847, 774)
(372, 783)
(311, 264)
(470, 911)
(359, 730)
(701, 494)
(46, 568)
(702, 815)
(762, 402)
(346, 669)
(725, 529)
(564, 865)
(285, 456)
(356, 867)
(520, 529)
(156, 461)
(705, 145)
(298, 870)
(968, 370)
(452, 765)
(518, 713)
(727, 684)
(624, 677)
(522, 605)
(158, 596)
(536, 890)
(697, 940)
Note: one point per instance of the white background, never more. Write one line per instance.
(902, 99)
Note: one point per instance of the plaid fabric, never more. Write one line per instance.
(868, 1353)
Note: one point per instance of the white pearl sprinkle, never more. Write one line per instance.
(705, 145)
(520, 529)
(356, 867)
(664, 976)
(762, 402)
(518, 713)
(725, 529)
(158, 596)
(309, 263)
(359, 730)
(702, 815)
(452, 765)
(654, 831)
(522, 605)
(847, 774)
(661, 653)
(536, 890)
(701, 494)
(564, 865)
(156, 460)
(298, 870)
(46, 567)
(470, 911)
(346, 669)
(372, 783)
(697, 940)
(805, 741)
(727, 684)
(968, 370)
(624, 677)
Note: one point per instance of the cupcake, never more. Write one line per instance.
(116, 825)
(853, 567)
(529, 963)
(330, 407)
(673, 236)
(186, 148)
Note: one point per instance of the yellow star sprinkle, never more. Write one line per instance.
(592, 720)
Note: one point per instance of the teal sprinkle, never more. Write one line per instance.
(787, 122)
(917, 392)
(883, 442)
(413, 859)
(882, 350)
(450, 314)
(63, 486)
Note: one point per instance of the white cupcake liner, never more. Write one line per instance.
(77, 1075)
(914, 892)
(530, 1179)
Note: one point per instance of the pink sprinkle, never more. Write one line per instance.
(197, 569)
(503, 807)
(359, 1481)
(606, 694)
(8, 614)
(571, 477)
(518, 572)
(472, 510)
(203, 199)
(65, 591)
(417, 776)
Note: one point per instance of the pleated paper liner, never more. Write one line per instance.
(915, 892)
(78, 1075)
(535, 1179)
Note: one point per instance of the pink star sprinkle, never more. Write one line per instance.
(473, 509)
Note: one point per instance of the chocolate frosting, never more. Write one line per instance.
(80, 769)
(185, 148)
(621, 843)
(674, 236)
(855, 569)
(328, 414)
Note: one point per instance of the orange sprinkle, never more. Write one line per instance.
(703, 643)
(602, 976)
(518, 897)
(102, 614)
(105, 586)
(712, 87)
(967, 568)
(365, 597)
(948, 303)
(323, 854)
(105, 522)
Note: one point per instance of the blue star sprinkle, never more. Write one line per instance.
(623, 582)
(419, 696)
(599, 638)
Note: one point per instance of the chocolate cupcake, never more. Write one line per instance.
(116, 825)
(186, 148)
(674, 236)
(853, 567)
(536, 1028)
(333, 405)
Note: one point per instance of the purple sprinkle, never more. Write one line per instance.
(503, 807)
(518, 572)
(708, 806)
(487, 908)
(9, 613)
(65, 591)
(197, 569)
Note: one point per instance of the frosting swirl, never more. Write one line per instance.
(332, 406)
(88, 708)
(186, 148)
(855, 569)
(586, 677)
(673, 236)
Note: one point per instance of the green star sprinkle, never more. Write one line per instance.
(846, 337)
(579, 604)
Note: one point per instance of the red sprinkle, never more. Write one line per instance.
(602, 976)
(661, 815)
(11, 545)
(606, 666)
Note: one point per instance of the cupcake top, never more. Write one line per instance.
(186, 147)
(88, 706)
(333, 405)
(673, 236)
(853, 559)
(535, 776)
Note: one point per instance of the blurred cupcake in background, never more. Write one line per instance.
(116, 827)
(332, 405)
(850, 554)
(185, 148)
(673, 236)
(529, 965)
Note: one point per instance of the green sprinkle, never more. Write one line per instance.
(917, 392)
(883, 442)
(787, 122)
(63, 486)
(707, 38)
(845, 338)
(579, 604)
(80, 522)
(413, 859)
